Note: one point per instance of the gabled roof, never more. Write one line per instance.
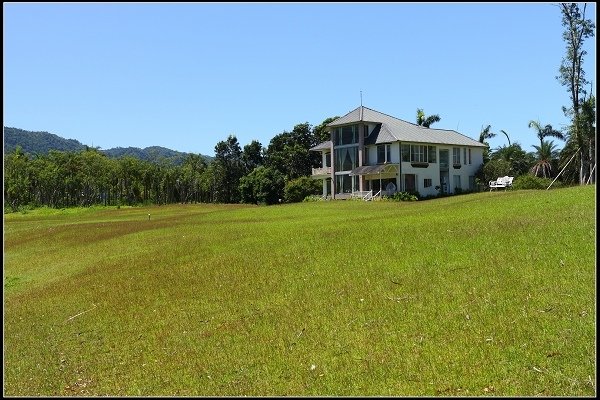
(393, 129)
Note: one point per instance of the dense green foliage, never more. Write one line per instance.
(264, 185)
(41, 143)
(85, 178)
(154, 154)
(509, 160)
(289, 152)
(403, 196)
(154, 176)
(581, 134)
(297, 189)
(487, 294)
(526, 182)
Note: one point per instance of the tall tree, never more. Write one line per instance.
(506, 134)
(264, 185)
(228, 158)
(320, 131)
(545, 131)
(252, 156)
(426, 121)
(520, 161)
(486, 133)
(546, 154)
(570, 157)
(16, 179)
(289, 152)
(572, 75)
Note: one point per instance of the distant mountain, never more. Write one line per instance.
(37, 142)
(42, 142)
(153, 154)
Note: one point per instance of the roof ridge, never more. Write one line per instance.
(399, 119)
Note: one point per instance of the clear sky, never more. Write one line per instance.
(186, 75)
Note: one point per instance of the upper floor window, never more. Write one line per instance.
(417, 153)
(346, 135)
(456, 155)
(384, 153)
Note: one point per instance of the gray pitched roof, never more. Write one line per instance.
(393, 129)
(322, 146)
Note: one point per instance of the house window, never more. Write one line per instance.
(457, 182)
(366, 130)
(384, 153)
(456, 155)
(418, 153)
(405, 150)
(328, 159)
(427, 182)
(346, 158)
(464, 155)
(432, 152)
(346, 135)
(469, 156)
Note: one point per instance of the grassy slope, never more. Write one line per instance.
(490, 293)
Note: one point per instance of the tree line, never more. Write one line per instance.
(252, 174)
(576, 161)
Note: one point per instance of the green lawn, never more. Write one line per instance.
(481, 294)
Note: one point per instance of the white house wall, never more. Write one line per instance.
(432, 171)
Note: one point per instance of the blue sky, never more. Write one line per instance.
(186, 75)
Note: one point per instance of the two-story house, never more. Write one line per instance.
(373, 153)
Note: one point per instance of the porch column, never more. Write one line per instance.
(333, 189)
(361, 148)
(399, 174)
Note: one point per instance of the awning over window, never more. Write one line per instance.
(375, 169)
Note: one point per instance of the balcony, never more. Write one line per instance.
(325, 171)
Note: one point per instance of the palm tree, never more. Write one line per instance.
(486, 134)
(426, 121)
(506, 134)
(545, 131)
(546, 152)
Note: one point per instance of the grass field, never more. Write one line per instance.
(473, 295)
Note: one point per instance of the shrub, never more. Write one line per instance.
(297, 189)
(313, 197)
(533, 182)
(403, 196)
(262, 186)
(495, 168)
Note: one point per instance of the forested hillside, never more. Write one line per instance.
(153, 154)
(37, 142)
(41, 143)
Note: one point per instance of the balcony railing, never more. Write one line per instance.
(321, 171)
